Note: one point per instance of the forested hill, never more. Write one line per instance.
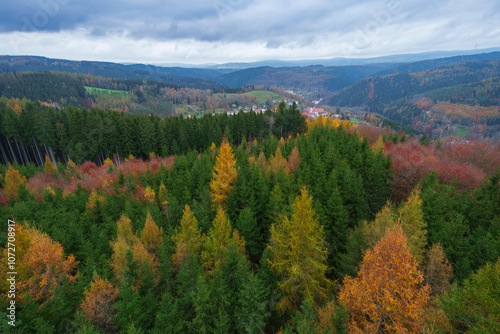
(379, 91)
(44, 86)
(106, 69)
(27, 135)
(322, 79)
(439, 63)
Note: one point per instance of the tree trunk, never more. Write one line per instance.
(19, 152)
(12, 152)
(38, 152)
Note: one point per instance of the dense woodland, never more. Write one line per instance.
(253, 223)
(129, 221)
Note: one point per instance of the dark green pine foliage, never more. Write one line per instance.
(375, 181)
(446, 224)
(351, 189)
(205, 306)
(247, 226)
(167, 316)
(187, 280)
(136, 306)
(336, 231)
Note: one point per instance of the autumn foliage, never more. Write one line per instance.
(224, 174)
(41, 264)
(387, 296)
(299, 255)
(13, 179)
(97, 305)
(188, 240)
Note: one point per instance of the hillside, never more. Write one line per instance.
(108, 70)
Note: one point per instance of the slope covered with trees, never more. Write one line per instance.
(251, 235)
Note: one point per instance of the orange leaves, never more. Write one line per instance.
(455, 110)
(98, 303)
(387, 295)
(294, 160)
(41, 264)
(224, 175)
(278, 162)
(13, 179)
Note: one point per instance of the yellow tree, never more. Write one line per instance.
(299, 255)
(152, 236)
(13, 179)
(125, 239)
(188, 240)
(219, 238)
(278, 162)
(224, 174)
(387, 296)
(378, 146)
(411, 218)
(49, 167)
(437, 270)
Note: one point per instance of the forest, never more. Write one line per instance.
(252, 223)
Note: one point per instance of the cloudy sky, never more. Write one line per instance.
(218, 31)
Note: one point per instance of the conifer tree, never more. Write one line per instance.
(299, 255)
(49, 168)
(387, 295)
(152, 236)
(189, 239)
(98, 303)
(224, 174)
(13, 180)
(219, 238)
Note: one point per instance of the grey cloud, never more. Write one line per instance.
(274, 23)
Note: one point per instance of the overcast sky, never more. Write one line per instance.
(218, 31)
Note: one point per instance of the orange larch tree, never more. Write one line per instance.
(387, 296)
(98, 303)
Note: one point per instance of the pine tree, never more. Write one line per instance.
(299, 255)
(167, 316)
(250, 231)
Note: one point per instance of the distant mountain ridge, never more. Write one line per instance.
(339, 61)
(315, 80)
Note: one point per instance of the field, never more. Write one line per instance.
(262, 96)
(99, 91)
